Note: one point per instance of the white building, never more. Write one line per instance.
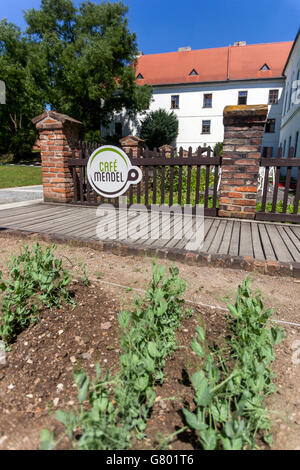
(290, 121)
(197, 85)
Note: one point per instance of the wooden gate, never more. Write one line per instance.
(178, 177)
(281, 189)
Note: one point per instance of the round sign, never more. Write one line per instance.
(110, 172)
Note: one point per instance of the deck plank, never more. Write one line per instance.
(235, 239)
(266, 244)
(216, 243)
(246, 247)
(281, 251)
(210, 235)
(263, 241)
(224, 247)
(258, 252)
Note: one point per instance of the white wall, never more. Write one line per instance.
(191, 112)
(290, 122)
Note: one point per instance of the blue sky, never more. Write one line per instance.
(165, 25)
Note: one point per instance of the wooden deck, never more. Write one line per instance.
(262, 241)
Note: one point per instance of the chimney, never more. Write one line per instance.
(139, 54)
(240, 43)
(184, 49)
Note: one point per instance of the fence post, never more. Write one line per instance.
(58, 135)
(243, 133)
(131, 142)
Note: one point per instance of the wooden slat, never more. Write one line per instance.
(207, 174)
(146, 186)
(275, 188)
(266, 244)
(265, 189)
(180, 177)
(154, 185)
(288, 242)
(281, 162)
(287, 183)
(280, 249)
(246, 248)
(235, 239)
(297, 195)
(218, 238)
(209, 238)
(225, 243)
(256, 241)
(171, 186)
(162, 187)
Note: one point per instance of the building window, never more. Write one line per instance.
(242, 97)
(205, 127)
(270, 126)
(139, 77)
(175, 102)
(118, 129)
(207, 100)
(273, 96)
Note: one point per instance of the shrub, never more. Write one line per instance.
(159, 128)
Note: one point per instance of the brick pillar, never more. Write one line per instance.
(243, 133)
(58, 134)
(166, 149)
(133, 143)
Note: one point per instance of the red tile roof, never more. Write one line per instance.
(222, 63)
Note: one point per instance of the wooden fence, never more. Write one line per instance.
(177, 177)
(183, 177)
(281, 193)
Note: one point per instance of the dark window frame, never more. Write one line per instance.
(206, 128)
(175, 101)
(270, 127)
(242, 97)
(206, 100)
(273, 96)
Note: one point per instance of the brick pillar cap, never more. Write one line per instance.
(246, 113)
(131, 140)
(166, 147)
(50, 118)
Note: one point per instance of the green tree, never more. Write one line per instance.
(159, 128)
(21, 69)
(90, 52)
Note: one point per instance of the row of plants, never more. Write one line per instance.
(36, 279)
(232, 382)
(230, 385)
(114, 408)
(279, 207)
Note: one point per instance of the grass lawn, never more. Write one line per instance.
(11, 176)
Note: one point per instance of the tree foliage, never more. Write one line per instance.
(89, 53)
(77, 60)
(159, 128)
(22, 72)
